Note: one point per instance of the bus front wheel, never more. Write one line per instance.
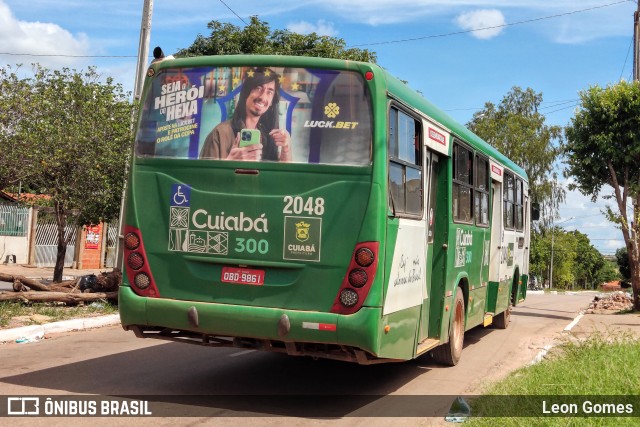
(449, 353)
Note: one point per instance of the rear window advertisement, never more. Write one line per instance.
(257, 114)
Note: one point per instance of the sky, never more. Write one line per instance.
(458, 53)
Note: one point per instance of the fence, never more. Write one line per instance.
(111, 244)
(46, 242)
(33, 239)
(13, 220)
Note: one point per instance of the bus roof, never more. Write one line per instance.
(393, 85)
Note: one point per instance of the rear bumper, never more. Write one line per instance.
(359, 330)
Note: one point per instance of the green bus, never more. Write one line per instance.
(315, 207)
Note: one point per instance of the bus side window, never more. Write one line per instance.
(462, 184)
(509, 199)
(481, 201)
(405, 163)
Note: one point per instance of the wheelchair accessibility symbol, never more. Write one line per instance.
(181, 195)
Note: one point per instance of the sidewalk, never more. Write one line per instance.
(37, 332)
(608, 323)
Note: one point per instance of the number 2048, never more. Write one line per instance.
(298, 205)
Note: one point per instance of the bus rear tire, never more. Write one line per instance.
(449, 354)
(501, 321)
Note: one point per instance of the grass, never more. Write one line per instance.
(602, 367)
(16, 313)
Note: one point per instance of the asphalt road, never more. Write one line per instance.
(240, 385)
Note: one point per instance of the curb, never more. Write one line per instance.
(37, 332)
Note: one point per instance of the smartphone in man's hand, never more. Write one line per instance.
(249, 137)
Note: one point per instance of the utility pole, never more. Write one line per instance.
(143, 47)
(636, 43)
(143, 55)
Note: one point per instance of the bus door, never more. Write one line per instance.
(497, 261)
(431, 172)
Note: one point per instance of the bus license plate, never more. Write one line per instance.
(242, 276)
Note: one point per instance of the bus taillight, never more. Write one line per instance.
(358, 279)
(136, 265)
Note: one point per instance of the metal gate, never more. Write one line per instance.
(46, 241)
(111, 244)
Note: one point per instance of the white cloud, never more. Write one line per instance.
(321, 27)
(492, 19)
(38, 38)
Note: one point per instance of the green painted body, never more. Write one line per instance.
(355, 209)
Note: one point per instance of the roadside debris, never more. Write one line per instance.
(33, 338)
(613, 302)
(82, 289)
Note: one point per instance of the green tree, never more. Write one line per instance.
(603, 149)
(589, 262)
(516, 128)
(609, 272)
(622, 260)
(564, 260)
(67, 135)
(539, 255)
(257, 38)
(575, 260)
(560, 245)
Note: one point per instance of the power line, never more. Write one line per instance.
(556, 103)
(358, 45)
(232, 11)
(526, 21)
(627, 57)
(563, 108)
(559, 103)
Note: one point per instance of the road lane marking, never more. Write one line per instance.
(546, 348)
(541, 354)
(574, 322)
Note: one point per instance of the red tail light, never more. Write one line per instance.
(136, 265)
(358, 279)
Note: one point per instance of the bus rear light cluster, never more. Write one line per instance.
(135, 261)
(358, 279)
(131, 241)
(348, 297)
(136, 265)
(142, 281)
(364, 257)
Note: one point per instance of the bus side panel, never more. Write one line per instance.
(471, 264)
(401, 311)
(475, 307)
(399, 341)
(503, 297)
(439, 287)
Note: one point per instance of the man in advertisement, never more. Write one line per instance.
(252, 132)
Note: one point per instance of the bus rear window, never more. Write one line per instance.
(257, 113)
